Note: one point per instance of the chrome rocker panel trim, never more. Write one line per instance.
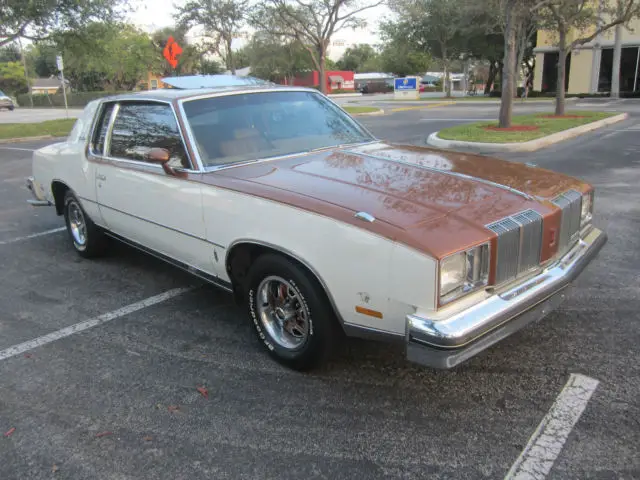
(445, 343)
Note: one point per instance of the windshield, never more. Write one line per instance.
(2, 94)
(249, 126)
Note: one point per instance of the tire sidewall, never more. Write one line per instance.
(308, 294)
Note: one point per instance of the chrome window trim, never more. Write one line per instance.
(107, 146)
(91, 143)
(213, 168)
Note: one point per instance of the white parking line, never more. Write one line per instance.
(93, 322)
(33, 235)
(537, 458)
(16, 148)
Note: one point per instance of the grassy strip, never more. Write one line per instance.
(360, 109)
(475, 132)
(56, 128)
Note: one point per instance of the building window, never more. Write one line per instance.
(154, 84)
(628, 70)
(550, 72)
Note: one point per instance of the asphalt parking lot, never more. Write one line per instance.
(121, 400)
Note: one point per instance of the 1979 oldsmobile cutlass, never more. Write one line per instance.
(279, 196)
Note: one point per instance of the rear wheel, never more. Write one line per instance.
(87, 238)
(290, 312)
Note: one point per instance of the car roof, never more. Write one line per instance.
(222, 86)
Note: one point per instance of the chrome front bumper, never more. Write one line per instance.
(447, 342)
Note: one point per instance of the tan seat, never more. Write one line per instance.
(246, 141)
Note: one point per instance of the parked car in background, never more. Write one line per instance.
(278, 196)
(6, 101)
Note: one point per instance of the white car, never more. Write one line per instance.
(279, 196)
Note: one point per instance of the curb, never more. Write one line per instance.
(342, 95)
(529, 146)
(453, 101)
(27, 139)
(365, 114)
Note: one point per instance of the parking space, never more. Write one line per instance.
(181, 389)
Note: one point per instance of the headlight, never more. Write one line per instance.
(463, 272)
(587, 208)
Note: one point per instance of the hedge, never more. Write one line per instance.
(537, 94)
(74, 99)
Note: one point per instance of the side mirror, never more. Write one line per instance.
(161, 156)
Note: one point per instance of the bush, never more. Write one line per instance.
(74, 99)
(341, 90)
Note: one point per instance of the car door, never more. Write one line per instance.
(137, 199)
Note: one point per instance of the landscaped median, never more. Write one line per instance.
(527, 132)
(47, 129)
(355, 111)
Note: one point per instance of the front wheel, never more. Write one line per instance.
(87, 238)
(290, 312)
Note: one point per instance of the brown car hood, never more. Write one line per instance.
(432, 200)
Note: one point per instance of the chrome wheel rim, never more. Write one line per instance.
(282, 312)
(77, 225)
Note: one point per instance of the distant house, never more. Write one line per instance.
(47, 86)
(151, 82)
(240, 72)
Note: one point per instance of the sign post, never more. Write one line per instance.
(60, 65)
(406, 88)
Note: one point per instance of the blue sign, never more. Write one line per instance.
(406, 84)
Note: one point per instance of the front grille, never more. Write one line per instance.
(519, 244)
(570, 202)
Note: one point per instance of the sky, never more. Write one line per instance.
(153, 14)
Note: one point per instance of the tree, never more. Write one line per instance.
(577, 22)
(37, 19)
(356, 57)
(312, 23)
(12, 79)
(9, 53)
(41, 59)
(221, 21)
(446, 29)
(106, 56)
(275, 58)
(208, 67)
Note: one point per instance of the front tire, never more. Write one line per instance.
(86, 237)
(290, 312)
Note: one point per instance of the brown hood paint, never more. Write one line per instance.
(409, 190)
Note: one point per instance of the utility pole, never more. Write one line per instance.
(26, 76)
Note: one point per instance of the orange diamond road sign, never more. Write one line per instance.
(171, 52)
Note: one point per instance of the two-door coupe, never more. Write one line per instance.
(277, 195)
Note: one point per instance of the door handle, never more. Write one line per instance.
(101, 177)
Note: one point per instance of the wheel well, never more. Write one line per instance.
(241, 257)
(59, 189)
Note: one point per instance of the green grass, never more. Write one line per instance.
(474, 132)
(56, 128)
(477, 98)
(361, 109)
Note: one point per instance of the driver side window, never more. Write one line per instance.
(140, 126)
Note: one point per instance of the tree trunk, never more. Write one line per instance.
(562, 64)
(446, 80)
(231, 60)
(508, 69)
(490, 78)
(522, 46)
(322, 57)
(615, 70)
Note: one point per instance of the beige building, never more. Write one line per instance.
(589, 67)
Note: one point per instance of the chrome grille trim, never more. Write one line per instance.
(530, 239)
(570, 202)
(519, 244)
